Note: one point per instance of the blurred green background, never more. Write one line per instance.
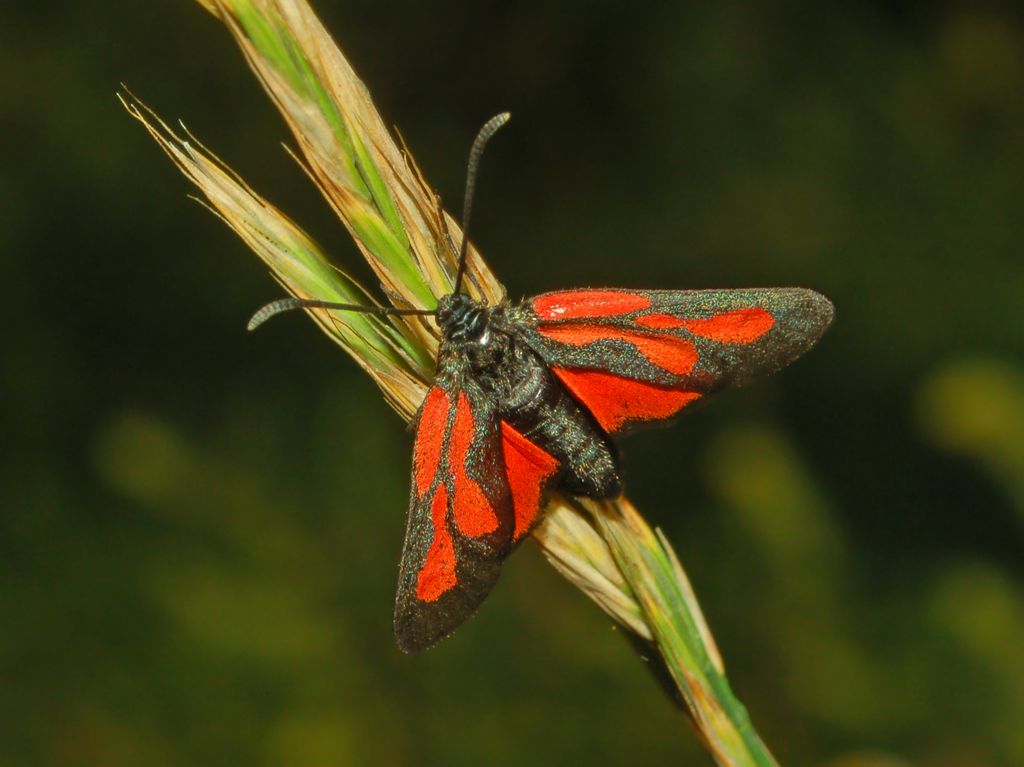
(200, 528)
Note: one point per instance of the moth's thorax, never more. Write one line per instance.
(479, 342)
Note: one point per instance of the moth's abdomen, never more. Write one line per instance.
(589, 464)
(543, 412)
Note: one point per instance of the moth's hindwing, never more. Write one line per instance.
(530, 471)
(477, 486)
(633, 356)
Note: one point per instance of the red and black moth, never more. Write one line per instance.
(528, 398)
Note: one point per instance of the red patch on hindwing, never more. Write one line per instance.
(438, 573)
(615, 401)
(428, 443)
(528, 469)
(474, 514)
(669, 352)
(740, 326)
(576, 304)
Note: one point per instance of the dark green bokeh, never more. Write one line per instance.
(200, 529)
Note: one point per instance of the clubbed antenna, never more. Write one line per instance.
(476, 151)
(287, 304)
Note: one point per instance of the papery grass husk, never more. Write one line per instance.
(605, 548)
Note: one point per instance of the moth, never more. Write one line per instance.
(529, 397)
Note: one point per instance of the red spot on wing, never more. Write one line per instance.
(671, 353)
(474, 514)
(576, 304)
(615, 401)
(429, 439)
(740, 326)
(438, 573)
(528, 468)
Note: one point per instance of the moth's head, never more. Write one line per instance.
(460, 317)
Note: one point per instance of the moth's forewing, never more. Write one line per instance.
(461, 519)
(633, 356)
